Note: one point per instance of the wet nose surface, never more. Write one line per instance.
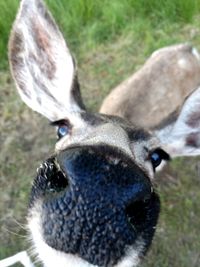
(104, 171)
(90, 217)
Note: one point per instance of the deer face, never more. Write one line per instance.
(92, 202)
(93, 198)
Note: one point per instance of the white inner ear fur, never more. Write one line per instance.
(41, 63)
(174, 137)
(51, 257)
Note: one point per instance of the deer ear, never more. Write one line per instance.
(182, 136)
(41, 64)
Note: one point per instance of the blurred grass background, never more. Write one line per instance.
(111, 40)
(90, 23)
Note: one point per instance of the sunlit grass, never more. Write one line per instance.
(89, 23)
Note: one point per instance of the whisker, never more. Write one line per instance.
(14, 233)
(21, 225)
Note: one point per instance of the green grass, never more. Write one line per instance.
(110, 39)
(90, 23)
(7, 15)
(177, 239)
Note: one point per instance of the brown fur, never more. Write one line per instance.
(157, 89)
(43, 46)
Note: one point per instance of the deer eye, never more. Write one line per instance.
(156, 159)
(157, 156)
(62, 131)
(63, 128)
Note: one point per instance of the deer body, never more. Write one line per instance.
(92, 202)
(161, 85)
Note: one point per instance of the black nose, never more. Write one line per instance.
(95, 215)
(105, 171)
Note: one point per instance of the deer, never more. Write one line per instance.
(93, 202)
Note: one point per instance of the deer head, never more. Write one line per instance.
(92, 201)
(167, 86)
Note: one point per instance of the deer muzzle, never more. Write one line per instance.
(96, 203)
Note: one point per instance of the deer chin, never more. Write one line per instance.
(93, 206)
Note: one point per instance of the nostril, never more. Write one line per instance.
(50, 172)
(137, 209)
(136, 213)
(143, 213)
(50, 179)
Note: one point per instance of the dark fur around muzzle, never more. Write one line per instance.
(96, 203)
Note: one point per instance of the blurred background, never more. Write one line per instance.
(111, 40)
